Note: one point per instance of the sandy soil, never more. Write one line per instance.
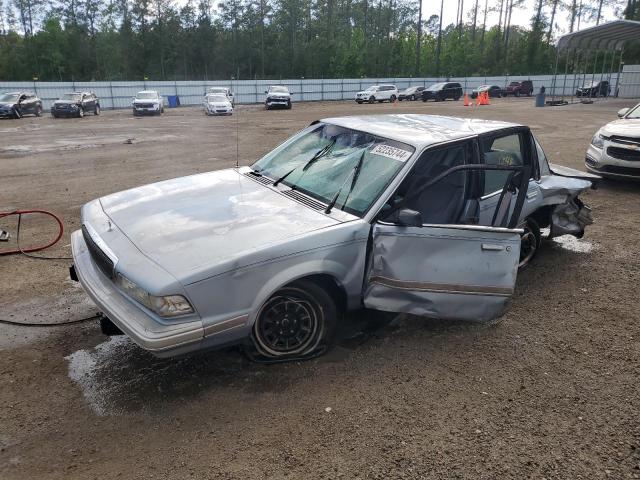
(550, 392)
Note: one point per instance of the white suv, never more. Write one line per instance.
(378, 93)
(148, 102)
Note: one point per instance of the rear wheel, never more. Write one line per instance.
(295, 322)
(38, 111)
(392, 99)
(80, 112)
(530, 242)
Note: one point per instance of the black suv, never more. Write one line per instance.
(442, 91)
(17, 104)
(76, 104)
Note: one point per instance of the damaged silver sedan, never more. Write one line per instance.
(426, 215)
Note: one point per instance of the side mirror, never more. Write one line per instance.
(266, 91)
(406, 218)
(622, 112)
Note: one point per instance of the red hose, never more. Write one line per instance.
(34, 248)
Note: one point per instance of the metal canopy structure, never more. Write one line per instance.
(608, 36)
(585, 46)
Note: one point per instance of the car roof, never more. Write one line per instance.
(419, 130)
(147, 91)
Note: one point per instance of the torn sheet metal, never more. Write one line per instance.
(452, 272)
(570, 218)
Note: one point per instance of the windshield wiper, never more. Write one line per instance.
(356, 173)
(318, 155)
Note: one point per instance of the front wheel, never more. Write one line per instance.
(97, 110)
(392, 99)
(289, 106)
(297, 321)
(38, 111)
(16, 113)
(80, 112)
(530, 242)
(372, 99)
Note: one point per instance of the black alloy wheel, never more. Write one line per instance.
(295, 322)
(530, 241)
(372, 99)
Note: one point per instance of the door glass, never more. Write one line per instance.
(443, 202)
(503, 151)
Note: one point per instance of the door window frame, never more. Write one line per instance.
(528, 159)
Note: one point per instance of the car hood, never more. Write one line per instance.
(65, 102)
(623, 128)
(146, 100)
(6, 104)
(219, 104)
(279, 95)
(189, 225)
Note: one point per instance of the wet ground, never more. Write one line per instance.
(551, 391)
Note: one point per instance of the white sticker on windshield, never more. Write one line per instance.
(391, 152)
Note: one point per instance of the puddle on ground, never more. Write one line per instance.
(573, 244)
(117, 376)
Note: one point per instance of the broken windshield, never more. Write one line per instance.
(342, 150)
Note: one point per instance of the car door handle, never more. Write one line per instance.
(492, 247)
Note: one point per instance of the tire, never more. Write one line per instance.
(517, 94)
(372, 99)
(456, 98)
(135, 114)
(413, 98)
(96, 111)
(54, 115)
(16, 114)
(392, 99)
(161, 110)
(530, 242)
(297, 321)
(359, 102)
(38, 111)
(267, 107)
(424, 99)
(289, 106)
(80, 112)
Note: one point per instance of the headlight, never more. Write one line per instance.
(598, 141)
(167, 306)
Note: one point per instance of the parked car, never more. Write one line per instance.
(351, 212)
(614, 151)
(223, 91)
(378, 93)
(594, 89)
(76, 104)
(411, 93)
(277, 96)
(494, 91)
(217, 104)
(18, 104)
(441, 91)
(524, 87)
(148, 102)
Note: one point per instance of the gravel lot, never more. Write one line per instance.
(552, 391)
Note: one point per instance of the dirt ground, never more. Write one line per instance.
(550, 392)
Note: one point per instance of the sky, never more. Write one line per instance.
(520, 16)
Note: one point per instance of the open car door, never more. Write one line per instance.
(451, 271)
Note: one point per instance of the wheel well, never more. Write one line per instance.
(542, 216)
(331, 285)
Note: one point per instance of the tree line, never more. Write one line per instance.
(81, 40)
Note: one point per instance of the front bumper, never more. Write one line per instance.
(162, 339)
(218, 111)
(282, 102)
(600, 162)
(64, 112)
(150, 110)
(7, 114)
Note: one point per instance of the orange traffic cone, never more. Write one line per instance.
(466, 100)
(486, 98)
(478, 99)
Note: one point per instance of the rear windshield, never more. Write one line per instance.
(437, 86)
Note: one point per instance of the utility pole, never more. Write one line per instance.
(419, 40)
(439, 45)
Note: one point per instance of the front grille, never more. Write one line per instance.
(620, 170)
(144, 105)
(103, 262)
(300, 197)
(625, 140)
(624, 154)
(259, 178)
